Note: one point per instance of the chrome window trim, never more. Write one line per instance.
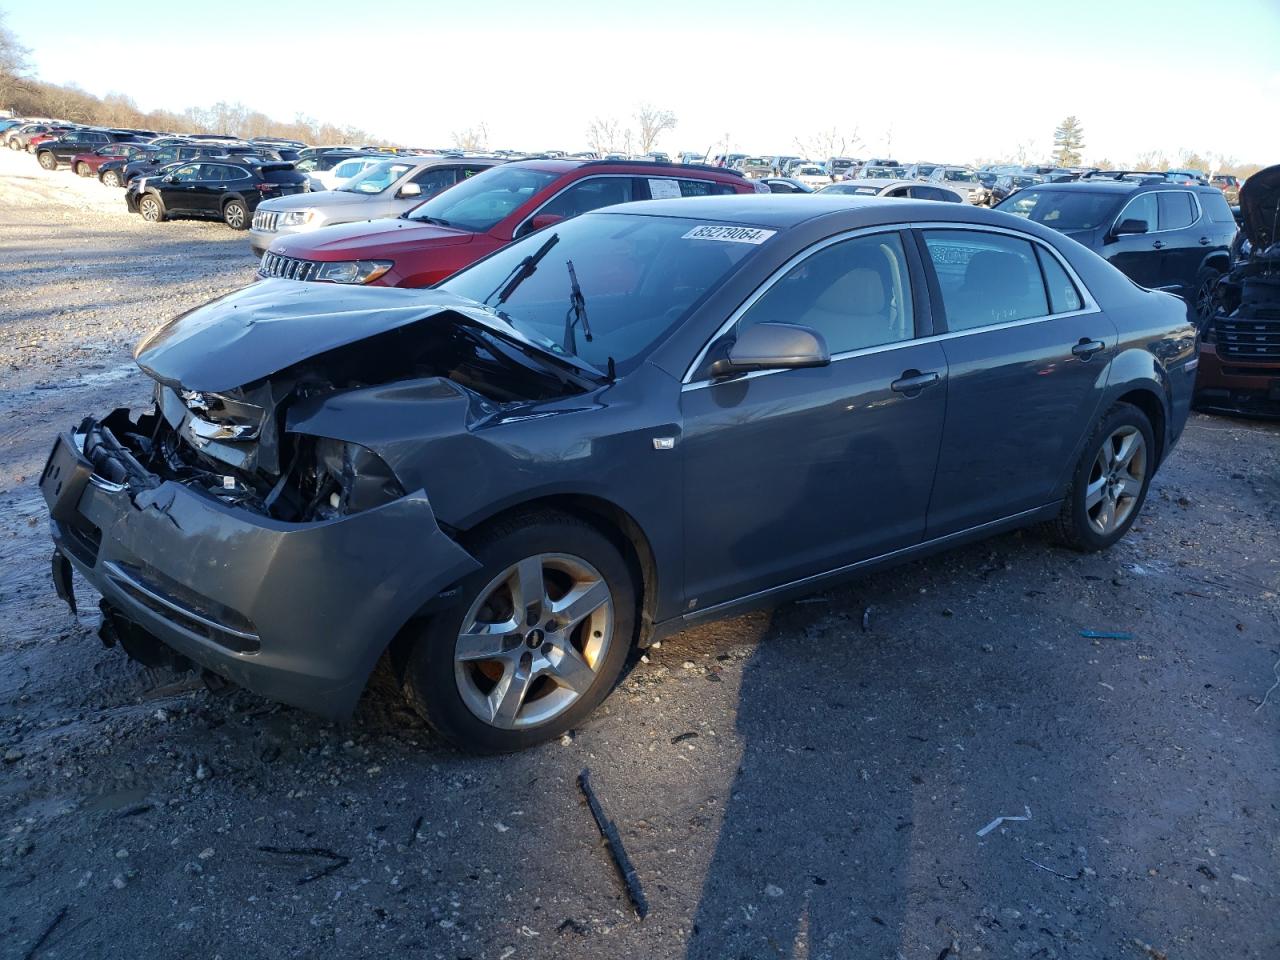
(602, 176)
(1194, 199)
(1089, 304)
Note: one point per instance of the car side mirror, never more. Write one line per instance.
(1129, 227)
(410, 190)
(773, 346)
(544, 220)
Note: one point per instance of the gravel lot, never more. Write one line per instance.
(808, 782)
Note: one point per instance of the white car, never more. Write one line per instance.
(810, 174)
(912, 189)
(340, 173)
(964, 179)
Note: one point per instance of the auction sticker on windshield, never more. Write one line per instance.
(729, 234)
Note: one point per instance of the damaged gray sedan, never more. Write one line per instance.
(621, 425)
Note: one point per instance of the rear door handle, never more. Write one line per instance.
(1204, 241)
(1087, 348)
(1159, 244)
(913, 381)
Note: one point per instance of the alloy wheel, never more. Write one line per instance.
(111, 178)
(1205, 297)
(150, 209)
(234, 215)
(1116, 480)
(534, 640)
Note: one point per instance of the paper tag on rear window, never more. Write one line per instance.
(729, 234)
(664, 189)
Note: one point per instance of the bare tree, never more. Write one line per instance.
(1151, 160)
(603, 134)
(472, 138)
(829, 143)
(14, 65)
(653, 123)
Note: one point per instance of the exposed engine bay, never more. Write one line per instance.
(233, 445)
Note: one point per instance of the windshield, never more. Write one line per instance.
(809, 172)
(882, 173)
(377, 178)
(480, 202)
(1063, 209)
(639, 277)
(959, 175)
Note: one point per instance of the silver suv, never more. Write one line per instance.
(386, 190)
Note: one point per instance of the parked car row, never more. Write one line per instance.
(413, 221)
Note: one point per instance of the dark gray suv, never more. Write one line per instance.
(617, 426)
(1163, 236)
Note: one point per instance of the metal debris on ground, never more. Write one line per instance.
(1106, 635)
(999, 820)
(614, 842)
(48, 931)
(338, 861)
(1064, 876)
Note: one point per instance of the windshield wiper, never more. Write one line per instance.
(577, 313)
(521, 272)
(434, 221)
(563, 370)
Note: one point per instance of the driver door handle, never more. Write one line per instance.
(913, 381)
(1087, 348)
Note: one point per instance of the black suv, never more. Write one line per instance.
(1161, 235)
(175, 153)
(224, 188)
(52, 153)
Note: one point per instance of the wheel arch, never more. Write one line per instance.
(618, 525)
(1152, 405)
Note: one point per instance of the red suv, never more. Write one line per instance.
(458, 226)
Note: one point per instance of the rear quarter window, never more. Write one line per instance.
(1215, 204)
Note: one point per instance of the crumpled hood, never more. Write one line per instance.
(273, 324)
(365, 239)
(1260, 207)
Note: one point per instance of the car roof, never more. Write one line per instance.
(783, 211)
(637, 167)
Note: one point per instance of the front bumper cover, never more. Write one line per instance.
(296, 612)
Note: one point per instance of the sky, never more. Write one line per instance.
(925, 80)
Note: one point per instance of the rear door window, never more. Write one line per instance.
(1177, 210)
(986, 278)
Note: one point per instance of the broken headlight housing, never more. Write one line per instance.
(352, 271)
(346, 478)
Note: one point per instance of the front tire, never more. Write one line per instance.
(110, 179)
(151, 208)
(82, 169)
(1110, 482)
(235, 215)
(535, 640)
(48, 161)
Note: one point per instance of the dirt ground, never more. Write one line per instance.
(811, 782)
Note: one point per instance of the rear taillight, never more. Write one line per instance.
(264, 187)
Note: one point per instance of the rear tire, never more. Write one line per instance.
(1205, 296)
(535, 640)
(151, 208)
(1110, 482)
(235, 215)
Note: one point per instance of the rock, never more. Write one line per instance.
(206, 853)
(772, 890)
(13, 756)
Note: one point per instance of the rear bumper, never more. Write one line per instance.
(298, 613)
(1236, 385)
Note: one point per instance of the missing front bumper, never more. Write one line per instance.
(297, 612)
